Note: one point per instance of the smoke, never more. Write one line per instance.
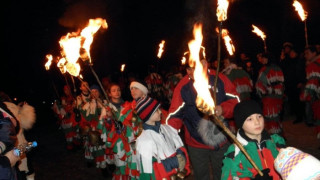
(78, 13)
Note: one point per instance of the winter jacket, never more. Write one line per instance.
(236, 165)
(183, 110)
(9, 127)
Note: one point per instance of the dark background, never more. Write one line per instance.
(32, 29)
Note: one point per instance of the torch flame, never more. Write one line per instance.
(204, 99)
(72, 43)
(48, 63)
(222, 10)
(184, 59)
(228, 42)
(160, 51)
(88, 32)
(61, 65)
(299, 8)
(259, 32)
(122, 67)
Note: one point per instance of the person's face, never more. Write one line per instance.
(67, 91)
(190, 72)
(287, 50)
(136, 93)
(156, 116)
(308, 55)
(226, 62)
(243, 56)
(115, 92)
(264, 60)
(253, 125)
(84, 87)
(95, 93)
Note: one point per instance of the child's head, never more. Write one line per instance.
(148, 109)
(114, 91)
(248, 116)
(95, 91)
(138, 89)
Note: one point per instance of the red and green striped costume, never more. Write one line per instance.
(311, 91)
(270, 88)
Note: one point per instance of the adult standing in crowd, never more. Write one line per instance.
(205, 141)
(311, 92)
(294, 75)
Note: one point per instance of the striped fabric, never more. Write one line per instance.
(146, 106)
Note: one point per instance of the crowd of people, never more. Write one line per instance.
(151, 128)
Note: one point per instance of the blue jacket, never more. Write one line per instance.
(8, 139)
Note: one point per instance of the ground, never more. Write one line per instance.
(52, 161)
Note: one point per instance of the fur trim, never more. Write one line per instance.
(25, 115)
(210, 133)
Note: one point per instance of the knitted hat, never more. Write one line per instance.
(145, 107)
(244, 109)
(292, 164)
(96, 87)
(140, 85)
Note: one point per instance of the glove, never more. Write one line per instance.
(265, 175)
(181, 162)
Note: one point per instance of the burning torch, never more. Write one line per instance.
(204, 100)
(262, 35)
(303, 15)
(222, 10)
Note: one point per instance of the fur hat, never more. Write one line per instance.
(140, 85)
(292, 164)
(145, 107)
(245, 109)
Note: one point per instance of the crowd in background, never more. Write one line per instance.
(107, 121)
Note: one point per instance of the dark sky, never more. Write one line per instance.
(33, 29)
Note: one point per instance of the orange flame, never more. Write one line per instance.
(88, 32)
(72, 43)
(222, 10)
(204, 99)
(258, 32)
(184, 59)
(299, 8)
(48, 63)
(228, 42)
(61, 65)
(160, 51)
(122, 67)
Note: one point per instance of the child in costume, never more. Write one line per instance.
(262, 147)
(160, 150)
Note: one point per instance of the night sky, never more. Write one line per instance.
(32, 29)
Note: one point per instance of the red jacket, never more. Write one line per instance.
(184, 111)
